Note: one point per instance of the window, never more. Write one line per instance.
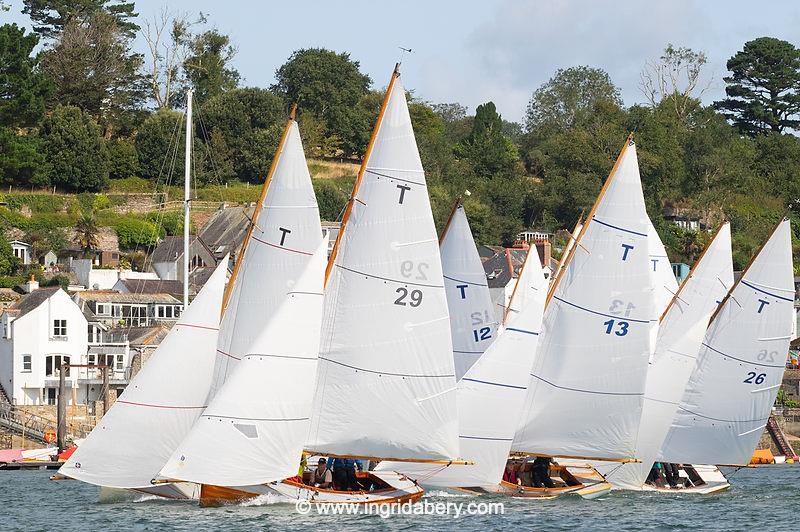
(59, 328)
(120, 363)
(26, 363)
(103, 309)
(165, 311)
(53, 364)
(116, 311)
(197, 262)
(51, 396)
(91, 359)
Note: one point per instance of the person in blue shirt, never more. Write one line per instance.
(344, 474)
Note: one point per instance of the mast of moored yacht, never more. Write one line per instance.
(187, 189)
(254, 220)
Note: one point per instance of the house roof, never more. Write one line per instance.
(19, 243)
(32, 300)
(110, 296)
(171, 248)
(9, 294)
(504, 265)
(147, 335)
(199, 277)
(224, 232)
(153, 286)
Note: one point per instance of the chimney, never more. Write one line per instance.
(31, 285)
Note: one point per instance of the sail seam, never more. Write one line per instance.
(387, 278)
(724, 420)
(278, 356)
(522, 330)
(468, 352)
(281, 247)
(495, 384)
(618, 228)
(623, 318)
(757, 289)
(256, 418)
(463, 281)
(757, 364)
(484, 438)
(385, 372)
(396, 178)
(197, 326)
(148, 405)
(596, 392)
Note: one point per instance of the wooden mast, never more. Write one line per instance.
(589, 217)
(573, 238)
(456, 205)
(240, 258)
(507, 310)
(676, 296)
(744, 272)
(349, 208)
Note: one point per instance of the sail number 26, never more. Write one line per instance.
(621, 327)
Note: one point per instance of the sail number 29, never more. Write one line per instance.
(621, 327)
(414, 296)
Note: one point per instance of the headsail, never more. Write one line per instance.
(255, 428)
(739, 369)
(664, 283)
(680, 334)
(386, 380)
(490, 397)
(588, 378)
(472, 321)
(139, 432)
(528, 288)
(283, 236)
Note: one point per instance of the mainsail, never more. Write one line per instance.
(386, 379)
(255, 428)
(284, 233)
(139, 432)
(472, 321)
(588, 378)
(490, 397)
(680, 334)
(741, 362)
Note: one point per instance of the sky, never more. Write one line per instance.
(472, 51)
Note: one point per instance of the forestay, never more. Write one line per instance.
(386, 380)
(680, 334)
(254, 430)
(741, 362)
(285, 233)
(138, 434)
(472, 321)
(588, 379)
(490, 397)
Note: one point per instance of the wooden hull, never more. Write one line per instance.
(398, 489)
(575, 477)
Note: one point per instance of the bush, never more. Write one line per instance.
(38, 203)
(330, 198)
(134, 232)
(123, 159)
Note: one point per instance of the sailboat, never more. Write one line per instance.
(741, 362)
(492, 391)
(584, 401)
(680, 334)
(135, 438)
(472, 321)
(385, 341)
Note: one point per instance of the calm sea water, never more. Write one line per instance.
(766, 498)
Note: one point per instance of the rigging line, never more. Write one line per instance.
(756, 364)
(251, 355)
(495, 384)
(389, 374)
(280, 247)
(594, 392)
(462, 281)
(767, 293)
(387, 278)
(395, 178)
(256, 418)
(484, 438)
(618, 227)
(621, 318)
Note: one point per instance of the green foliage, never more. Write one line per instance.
(50, 16)
(22, 162)
(330, 86)
(23, 89)
(37, 203)
(86, 234)
(123, 159)
(208, 65)
(8, 262)
(44, 240)
(56, 280)
(763, 88)
(488, 151)
(159, 143)
(167, 222)
(74, 146)
(136, 233)
(330, 198)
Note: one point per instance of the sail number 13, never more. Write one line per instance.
(621, 327)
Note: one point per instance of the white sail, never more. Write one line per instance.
(528, 288)
(386, 380)
(139, 432)
(741, 362)
(490, 397)
(254, 430)
(588, 378)
(573, 237)
(665, 285)
(472, 321)
(286, 232)
(679, 337)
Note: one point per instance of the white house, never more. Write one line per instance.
(39, 333)
(22, 250)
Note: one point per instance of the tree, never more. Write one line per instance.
(676, 78)
(21, 159)
(207, 66)
(123, 159)
(8, 262)
(23, 89)
(73, 145)
(86, 234)
(488, 150)
(570, 97)
(93, 69)
(159, 142)
(329, 85)
(50, 17)
(763, 88)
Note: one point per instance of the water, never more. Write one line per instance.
(765, 498)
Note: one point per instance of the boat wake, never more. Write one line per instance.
(262, 500)
(444, 494)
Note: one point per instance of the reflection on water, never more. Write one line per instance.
(763, 498)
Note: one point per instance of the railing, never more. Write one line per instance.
(33, 426)
(780, 440)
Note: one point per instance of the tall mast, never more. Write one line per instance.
(456, 205)
(187, 188)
